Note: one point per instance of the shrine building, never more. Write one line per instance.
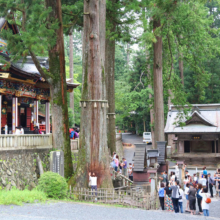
(22, 88)
(197, 141)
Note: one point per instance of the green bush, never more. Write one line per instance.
(18, 197)
(53, 185)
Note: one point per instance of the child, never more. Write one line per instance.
(205, 206)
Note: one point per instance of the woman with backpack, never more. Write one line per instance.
(205, 201)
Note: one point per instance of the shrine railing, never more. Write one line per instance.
(26, 141)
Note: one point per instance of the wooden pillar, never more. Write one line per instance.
(0, 113)
(14, 113)
(215, 146)
(47, 117)
(35, 112)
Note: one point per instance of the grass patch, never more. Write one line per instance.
(18, 197)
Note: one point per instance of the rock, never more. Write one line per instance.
(8, 172)
(5, 164)
(8, 187)
(13, 183)
(3, 181)
(31, 186)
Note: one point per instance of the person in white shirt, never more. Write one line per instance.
(93, 183)
(187, 198)
(181, 193)
(205, 206)
(21, 130)
(17, 131)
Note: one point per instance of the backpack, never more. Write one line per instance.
(71, 134)
(208, 200)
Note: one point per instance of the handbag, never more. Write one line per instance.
(208, 200)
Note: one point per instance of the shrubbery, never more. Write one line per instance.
(53, 185)
(18, 197)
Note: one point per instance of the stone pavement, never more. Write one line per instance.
(82, 211)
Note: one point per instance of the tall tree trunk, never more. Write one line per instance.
(71, 70)
(158, 87)
(110, 85)
(93, 152)
(60, 125)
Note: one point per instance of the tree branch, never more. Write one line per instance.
(40, 69)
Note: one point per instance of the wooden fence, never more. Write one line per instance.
(132, 197)
(26, 141)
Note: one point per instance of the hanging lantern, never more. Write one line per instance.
(80, 104)
(103, 105)
(107, 117)
(107, 105)
(95, 105)
(114, 116)
(84, 104)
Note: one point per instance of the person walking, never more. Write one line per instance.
(205, 203)
(192, 199)
(199, 198)
(168, 198)
(187, 197)
(211, 183)
(181, 193)
(175, 196)
(161, 195)
(93, 183)
(130, 172)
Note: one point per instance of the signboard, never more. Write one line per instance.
(57, 162)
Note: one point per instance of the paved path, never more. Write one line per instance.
(75, 211)
(132, 139)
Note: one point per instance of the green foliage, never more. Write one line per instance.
(53, 185)
(18, 197)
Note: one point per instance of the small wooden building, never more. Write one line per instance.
(197, 142)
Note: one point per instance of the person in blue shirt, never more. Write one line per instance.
(204, 171)
(161, 195)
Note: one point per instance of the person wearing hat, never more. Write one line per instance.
(211, 184)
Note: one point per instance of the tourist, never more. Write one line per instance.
(185, 181)
(161, 195)
(203, 180)
(211, 183)
(217, 180)
(164, 178)
(116, 163)
(173, 179)
(195, 179)
(114, 155)
(188, 176)
(130, 172)
(76, 135)
(168, 198)
(120, 166)
(199, 198)
(21, 130)
(124, 167)
(93, 182)
(181, 193)
(17, 131)
(71, 131)
(175, 196)
(205, 201)
(187, 197)
(204, 171)
(192, 199)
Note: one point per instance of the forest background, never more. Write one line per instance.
(134, 57)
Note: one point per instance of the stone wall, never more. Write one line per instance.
(19, 167)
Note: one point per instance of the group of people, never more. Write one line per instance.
(171, 193)
(19, 130)
(74, 133)
(122, 166)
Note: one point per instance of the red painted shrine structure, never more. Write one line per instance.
(22, 88)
